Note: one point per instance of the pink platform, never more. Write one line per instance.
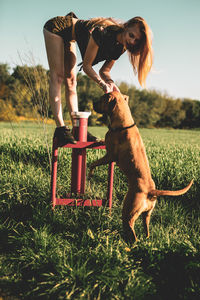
(78, 168)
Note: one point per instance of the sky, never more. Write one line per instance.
(176, 37)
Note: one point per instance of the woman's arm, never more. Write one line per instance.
(89, 57)
(104, 72)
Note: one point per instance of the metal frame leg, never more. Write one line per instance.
(110, 184)
(54, 173)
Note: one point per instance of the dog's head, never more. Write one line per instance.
(107, 102)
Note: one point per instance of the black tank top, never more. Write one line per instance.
(105, 38)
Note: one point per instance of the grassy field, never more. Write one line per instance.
(79, 253)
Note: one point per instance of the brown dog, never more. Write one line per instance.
(125, 147)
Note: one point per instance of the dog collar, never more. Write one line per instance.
(120, 128)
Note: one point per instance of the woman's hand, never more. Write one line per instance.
(113, 86)
(105, 87)
(108, 86)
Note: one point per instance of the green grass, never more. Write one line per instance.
(79, 253)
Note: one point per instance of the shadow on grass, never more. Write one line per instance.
(175, 273)
(29, 155)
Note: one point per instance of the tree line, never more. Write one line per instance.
(24, 93)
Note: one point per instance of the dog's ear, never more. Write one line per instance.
(126, 97)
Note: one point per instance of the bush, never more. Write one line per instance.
(7, 112)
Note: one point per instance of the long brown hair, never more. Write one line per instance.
(141, 56)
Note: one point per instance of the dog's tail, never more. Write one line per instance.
(156, 193)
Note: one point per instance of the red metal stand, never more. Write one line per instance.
(78, 171)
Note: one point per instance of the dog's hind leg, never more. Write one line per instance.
(146, 220)
(129, 233)
(128, 225)
(132, 209)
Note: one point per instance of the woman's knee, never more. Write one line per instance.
(56, 78)
(70, 83)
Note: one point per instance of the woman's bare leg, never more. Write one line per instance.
(62, 65)
(70, 77)
(55, 54)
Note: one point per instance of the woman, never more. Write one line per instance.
(99, 39)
